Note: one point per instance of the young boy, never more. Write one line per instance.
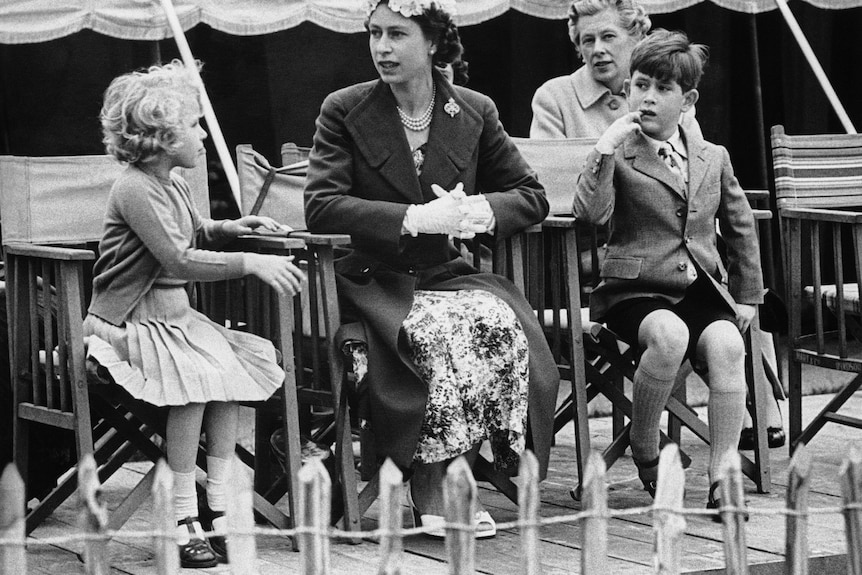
(664, 287)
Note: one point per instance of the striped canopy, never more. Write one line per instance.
(27, 21)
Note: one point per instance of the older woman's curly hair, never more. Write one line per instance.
(633, 17)
(143, 109)
(439, 27)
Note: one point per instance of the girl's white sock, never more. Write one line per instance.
(217, 472)
(185, 502)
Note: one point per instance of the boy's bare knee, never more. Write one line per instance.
(722, 346)
(664, 333)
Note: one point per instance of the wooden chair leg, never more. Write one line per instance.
(755, 376)
(680, 392)
(830, 412)
(352, 519)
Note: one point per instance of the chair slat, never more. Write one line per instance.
(49, 307)
(314, 303)
(63, 338)
(816, 268)
(839, 311)
(32, 276)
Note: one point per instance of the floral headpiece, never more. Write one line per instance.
(409, 8)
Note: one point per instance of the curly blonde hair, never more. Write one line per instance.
(143, 109)
(633, 17)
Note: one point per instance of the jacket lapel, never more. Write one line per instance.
(455, 131)
(697, 162)
(645, 160)
(377, 131)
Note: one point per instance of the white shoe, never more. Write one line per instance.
(485, 525)
(436, 523)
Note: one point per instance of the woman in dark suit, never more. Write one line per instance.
(403, 164)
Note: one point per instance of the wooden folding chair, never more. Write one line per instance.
(589, 355)
(53, 386)
(818, 185)
(323, 387)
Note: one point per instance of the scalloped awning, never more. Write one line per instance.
(27, 21)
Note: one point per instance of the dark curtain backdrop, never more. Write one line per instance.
(267, 89)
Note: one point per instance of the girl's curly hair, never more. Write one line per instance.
(143, 109)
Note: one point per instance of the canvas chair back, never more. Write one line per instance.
(62, 199)
(817, 171)
(558, 164)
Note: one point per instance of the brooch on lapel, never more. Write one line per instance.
(451, 107)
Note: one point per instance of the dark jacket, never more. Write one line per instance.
(361, 179)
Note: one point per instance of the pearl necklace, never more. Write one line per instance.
(422, 122)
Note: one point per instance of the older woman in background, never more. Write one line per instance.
(585, 103)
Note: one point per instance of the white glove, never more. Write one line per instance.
(440, 216)
(477, 211)
(467, 227)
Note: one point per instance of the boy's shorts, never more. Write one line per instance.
(700, 306)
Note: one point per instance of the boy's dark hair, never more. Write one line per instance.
(669, 56)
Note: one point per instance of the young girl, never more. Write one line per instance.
(140, 323)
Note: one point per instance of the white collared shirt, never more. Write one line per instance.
(678, 146)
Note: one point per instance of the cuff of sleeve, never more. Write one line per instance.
(604, 148)
(235, 264)
(409, 225)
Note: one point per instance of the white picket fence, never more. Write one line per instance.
(314, 534)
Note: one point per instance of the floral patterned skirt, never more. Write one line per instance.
(472, 352)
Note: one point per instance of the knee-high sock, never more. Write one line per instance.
(649, 399)
(217, 471)
(726, 410)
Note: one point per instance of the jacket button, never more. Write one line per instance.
(682, 266)
(679, 213)
(688, 239)
(366, 270)
(614, 104)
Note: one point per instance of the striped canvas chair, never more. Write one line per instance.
(818, 183)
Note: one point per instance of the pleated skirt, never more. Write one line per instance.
(167, 353)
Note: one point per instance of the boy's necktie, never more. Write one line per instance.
(673, 160)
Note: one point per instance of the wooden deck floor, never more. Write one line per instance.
(630, 538)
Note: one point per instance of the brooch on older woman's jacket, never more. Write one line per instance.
(451, 107)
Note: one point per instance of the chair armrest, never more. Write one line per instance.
(757, 195)
(269, 243)
(49, 252)
(558, 221)
(314, 239)
(817, 214)
(761, 214)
